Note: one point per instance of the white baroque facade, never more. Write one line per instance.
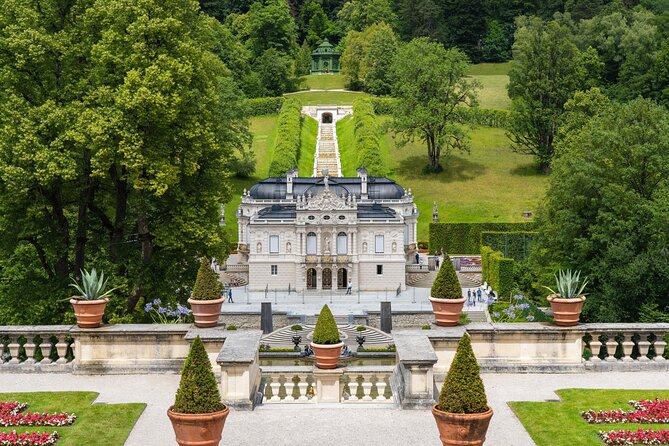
(316, 233)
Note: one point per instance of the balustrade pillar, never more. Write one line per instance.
(61, 347)
(353, 388)
(627, 348)
(367, 388)
(595, 347)
(611, 346)
(275, 385)
(302, 386)
(644, 346)
(289, 385)
(45, 348)
(14, 349)
(381, 388)
(30, 347)
(659, 347)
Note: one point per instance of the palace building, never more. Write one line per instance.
(317, 233)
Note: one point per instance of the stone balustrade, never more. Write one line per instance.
(627, 346)
(46, 348)
(235, 268)
(308, 385)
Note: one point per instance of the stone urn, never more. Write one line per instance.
(327, 355)
(206, 312)
(566, 312)
(460, 429)
(447, 311)
(198, 429)
(89, 312)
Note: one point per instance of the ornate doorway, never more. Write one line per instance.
(327, 279)
(342, 278)
(327, 118)
(311, 278)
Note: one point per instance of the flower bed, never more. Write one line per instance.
(625, 437)
(12, 414)
(28, 439)
(645, 411)
(518, 310)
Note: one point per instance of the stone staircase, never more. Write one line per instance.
(283, 336)
(327, 152)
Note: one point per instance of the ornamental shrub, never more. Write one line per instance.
(296, 327)
(446, 284)
(198, 391)
(207, 286)
(463, 390)
(326, 332)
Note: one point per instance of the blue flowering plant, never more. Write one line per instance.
(167, 313)
(518, 310)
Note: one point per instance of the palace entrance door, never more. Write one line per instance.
(342, 278)
(311, 278)
(327, 279)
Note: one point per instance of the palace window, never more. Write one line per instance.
(274, 270)
(342, 243)
(379, 244)
(311, 243)
(379, 269)
(274, 244)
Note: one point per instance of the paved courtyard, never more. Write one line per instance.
(294, 425)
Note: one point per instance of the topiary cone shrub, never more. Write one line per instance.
(446, 285)
(326, 343)
(198, 391)
(198, 415)
(462, 413)
(446, 295)
(207, 286)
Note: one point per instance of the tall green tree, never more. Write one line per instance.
(607, 207)
(420, 18)
(430, 94)
(268, 25)
(118, 124)
(465, 26)
(358, 15)
(547, 69)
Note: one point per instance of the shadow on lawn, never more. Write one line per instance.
(456, 169)
(526, 170)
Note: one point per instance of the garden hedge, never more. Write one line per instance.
(367, 138)
(514, 245)
(484, 116)
(497, 270)
(465, 238)
(198, 391)
(263, 106)
(287, 146)
(463, 390)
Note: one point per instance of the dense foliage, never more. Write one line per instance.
(607, 208)
(497, 271)
(367, 138)
(446, 285)
(326, 331)
(118, 123)
(264, 106)
(465, 238)
(463, 390)
(428, 95)
(287, 146)
(198, 391)
(207, 286)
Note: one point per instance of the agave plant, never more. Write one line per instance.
(568, 284)
(92, 287)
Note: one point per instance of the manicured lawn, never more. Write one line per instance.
(560, 423)
(347, 147)
(308, 146)
(493, 93)
(487, 69)
(327, 97)
(96, 425)
(491, 184)
(324, 82)
(264, 133)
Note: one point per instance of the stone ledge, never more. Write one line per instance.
(133, 329)
(240, 348)
(414, 349)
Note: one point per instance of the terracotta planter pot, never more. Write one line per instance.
(198, 429)
(447, 311)
(327, 355)
(206, 312)
(89, 312)
(566, 311)
(458, 429)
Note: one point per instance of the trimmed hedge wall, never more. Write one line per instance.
(367, 138)
(465, 238)
(514, 245)
(263, 106)
(382, 106)
(497, 270)
(485, 116)
(287, 145)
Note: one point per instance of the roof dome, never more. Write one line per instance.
(326, 48)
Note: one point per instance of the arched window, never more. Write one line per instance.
(311, 243)
(342, 243)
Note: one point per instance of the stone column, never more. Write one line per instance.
(266, 323)
(328, 389)
(416, 359)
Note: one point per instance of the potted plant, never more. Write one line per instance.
(89, 306)
(446, 296)
(198, 415)
(326, 343)
(462, 413)
(206, 299)
(567, 301)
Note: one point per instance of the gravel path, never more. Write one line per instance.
(324, 426)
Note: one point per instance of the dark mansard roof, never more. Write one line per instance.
(378, 188)
(277, 211)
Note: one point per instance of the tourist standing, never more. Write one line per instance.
(437, 262)
(349, 287)
(478, 292)
(469, 296)
(230, 296)
(417, 258)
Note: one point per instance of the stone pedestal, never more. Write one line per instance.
(328, 389)
(240, 373)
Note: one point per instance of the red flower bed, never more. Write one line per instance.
(645, 411)
(28, 439)
(630, 438)
(12, 414)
